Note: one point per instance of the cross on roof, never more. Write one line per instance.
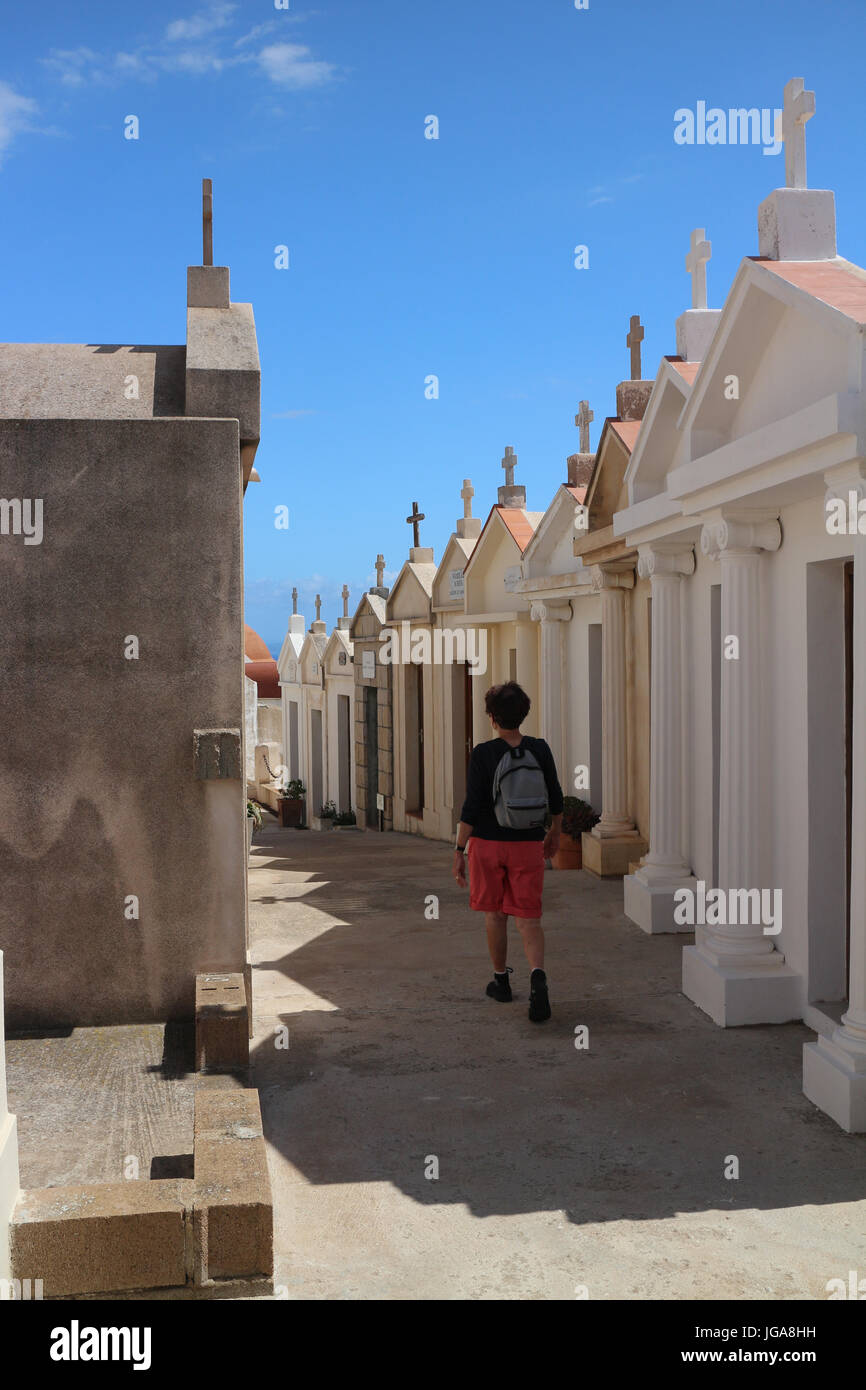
(583, 419)
(696, 265)
(799, 107)
(414, 519)
(294, 601)
(509, 463)
(467, 492)
(633, 341)
(344, 595)
(318, 608)
(207, 221)
(380, 570)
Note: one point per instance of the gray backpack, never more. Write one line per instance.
(519, 790)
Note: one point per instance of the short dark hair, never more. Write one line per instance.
(508, 704)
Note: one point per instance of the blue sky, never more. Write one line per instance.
(408, 256)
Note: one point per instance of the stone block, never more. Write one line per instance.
(797, 224)
(221, 1023)
(233, 1208)
(632, 398)
(694, 333)
(207, 287)
(580, 468)
(651, 905)
(217, 753)
(385, 740)
(609, 857)
(103, 1238)
(222, 367)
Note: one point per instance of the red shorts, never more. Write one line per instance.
(506, 876)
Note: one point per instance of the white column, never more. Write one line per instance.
(648, 895)
(615, 819)
(552, 616)
(734, 972)
(834, 1068)
(481, 683)
(9, 1181)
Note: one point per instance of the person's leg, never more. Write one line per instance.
(533, 940)
(497, 940)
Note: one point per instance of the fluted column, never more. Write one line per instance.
(665, 571)
(552, 616)
(834, 1068)
(612, 585)
(739, 546)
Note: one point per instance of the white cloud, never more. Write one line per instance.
(15, 115)
(205, 22)
(289, 65)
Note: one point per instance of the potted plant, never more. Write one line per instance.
(345, 818)
(577, 816)
(290, 799)
(328, 814)
(254, 822)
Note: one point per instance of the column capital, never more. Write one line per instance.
(844, 479)
(551, 611)
(730, 535)
(612, 577)
(661, 559)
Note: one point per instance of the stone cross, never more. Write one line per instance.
(380, 570)
(294, 601)
(696, 265)
(344, 595)
(509, 463)
(583, 419)
(799, 107)
(414, 519)
(207, 221)
(467, 492)
(633, 341)
(318, 608)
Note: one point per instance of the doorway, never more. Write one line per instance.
(371, 732)
(344, 754)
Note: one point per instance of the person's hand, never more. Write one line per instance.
(551, 843)
(459, 869)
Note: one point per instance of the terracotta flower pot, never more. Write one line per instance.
(291, 810)
(570, 853)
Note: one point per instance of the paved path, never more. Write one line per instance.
(558, 1168)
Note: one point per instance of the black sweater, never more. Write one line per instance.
(478, 807)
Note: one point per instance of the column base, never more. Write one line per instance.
(734, 997)
(9, 1183)
(651, 904)
(835, 1081)
(610, 856)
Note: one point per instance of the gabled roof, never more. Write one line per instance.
(373, 603)
(559, 517)
(839, 283)
(339, 640)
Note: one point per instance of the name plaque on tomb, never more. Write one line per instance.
(368, 664)
(456, 584)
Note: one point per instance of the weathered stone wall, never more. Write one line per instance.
(142, 538)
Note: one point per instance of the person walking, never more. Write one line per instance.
(511, 786)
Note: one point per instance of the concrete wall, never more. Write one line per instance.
(142, 536)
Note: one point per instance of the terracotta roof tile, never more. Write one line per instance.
(687, 370)
(627, 431)
(840, 285)
(519, 525)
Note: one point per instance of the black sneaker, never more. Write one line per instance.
(539, 1003)
(500, 986)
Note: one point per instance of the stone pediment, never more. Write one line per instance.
(449, 581)
(658, 438)
(411, 593)
(551, 549)
(789, 337)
